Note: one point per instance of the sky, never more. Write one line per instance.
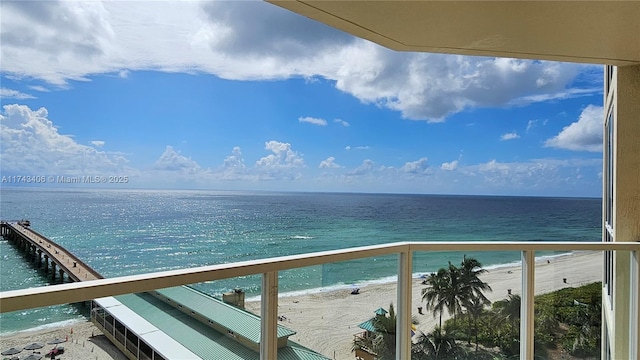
(247, 96)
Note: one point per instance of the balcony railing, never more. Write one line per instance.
(269, 268)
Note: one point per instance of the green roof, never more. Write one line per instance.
(381, 311)
(239, 321)
(200, 338)
(367, 325)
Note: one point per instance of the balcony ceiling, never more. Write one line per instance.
(600, 32)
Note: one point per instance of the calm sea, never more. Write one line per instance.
(124, 232)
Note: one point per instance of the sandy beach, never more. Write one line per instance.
(327, 321)
(83, 341)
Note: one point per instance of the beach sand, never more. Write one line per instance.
(84, 341)
(327, 321)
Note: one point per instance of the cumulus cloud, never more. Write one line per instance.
(31, 144)
(329, 163)
(258, 41)
(14, 94)
(313, 121)
(56, 40)
(235, 160)
(172, 160)
(583, 135)
(282, 157)
(509, 136)
(418, 167)
(449, 166)
(97, 143)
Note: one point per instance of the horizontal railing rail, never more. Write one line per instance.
(75, 292)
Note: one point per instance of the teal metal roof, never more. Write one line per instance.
(239, 321)
(200, 338)
(191, 333)
(367, 325)
(381, 311)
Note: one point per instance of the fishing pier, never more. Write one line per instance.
(45, 252)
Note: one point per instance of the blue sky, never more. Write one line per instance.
(247, 96)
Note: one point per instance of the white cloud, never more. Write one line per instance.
(234, 168)
(449, 166)
(582, 135)
(313, 121)
(329, 163)
(348, 147)
(509, 136)
(56, 41)
(70, 40)
(418, 167)
(363, 169)
(14, 94)
(534, 174)
(342, 122)
(235, 160)
(31, 145)
(97, 143)
(38, 88)
(283, 163)
(171, 160)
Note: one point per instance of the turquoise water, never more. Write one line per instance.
(121, 232)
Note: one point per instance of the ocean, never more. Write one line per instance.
(125, 232)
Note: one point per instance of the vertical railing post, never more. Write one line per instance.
(269, 316)
(403, 312)
(634, 308)
(526, 305)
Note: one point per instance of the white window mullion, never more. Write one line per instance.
(526, 305)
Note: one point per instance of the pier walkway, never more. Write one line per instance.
(41, 249)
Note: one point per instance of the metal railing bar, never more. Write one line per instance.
(269, 316)
(403, 308)
(527, 312)
(82, 291)
(634, 306)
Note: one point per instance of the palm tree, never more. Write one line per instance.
(509, 309)
(474, 287)
(434, 294)
(384, 342)
(455, 293)
(474, 310)
(472, 291)
(435, 345)
(453, 287)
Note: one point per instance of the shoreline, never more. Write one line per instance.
(320, 327)
(326, 321)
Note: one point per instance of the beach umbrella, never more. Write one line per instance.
(56, 341)
(33, 357)
(34, 346)
(11, 351)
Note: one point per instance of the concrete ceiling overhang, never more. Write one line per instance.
(598, 32)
